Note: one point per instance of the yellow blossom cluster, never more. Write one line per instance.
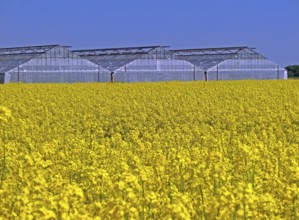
(169, 150)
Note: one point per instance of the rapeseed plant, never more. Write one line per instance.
(192, 150)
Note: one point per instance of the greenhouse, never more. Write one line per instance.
(51, 63)
(230, 63)
(55, 63)
(140, 64)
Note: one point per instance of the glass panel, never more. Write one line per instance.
(150, 70)
(246, 69)
(57, 65)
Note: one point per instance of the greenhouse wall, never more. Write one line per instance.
(199, 74)
(236, 69)
(56, 65)
(151, 70)
(104, 76)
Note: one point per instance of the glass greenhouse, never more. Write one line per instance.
(136, 64)
(52, 63)
(55, 63)
(230, 63)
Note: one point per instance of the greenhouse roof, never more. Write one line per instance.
(210, 51)
(27, 50)
(115, 58)
(117, 51)
(111, 65)
(13, 57)
(206, 58)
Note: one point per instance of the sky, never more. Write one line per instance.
(271, 26)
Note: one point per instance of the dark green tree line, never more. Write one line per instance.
(293, 71)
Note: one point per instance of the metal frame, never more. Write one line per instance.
(27, 50)
(210, 51)
(117, 51)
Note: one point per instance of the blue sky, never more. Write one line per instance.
(272, 26)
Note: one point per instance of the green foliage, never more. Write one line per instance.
(293, 71)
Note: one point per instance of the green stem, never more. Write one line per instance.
(3, 172)
(202, 202)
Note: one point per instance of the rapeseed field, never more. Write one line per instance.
(171, 150)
